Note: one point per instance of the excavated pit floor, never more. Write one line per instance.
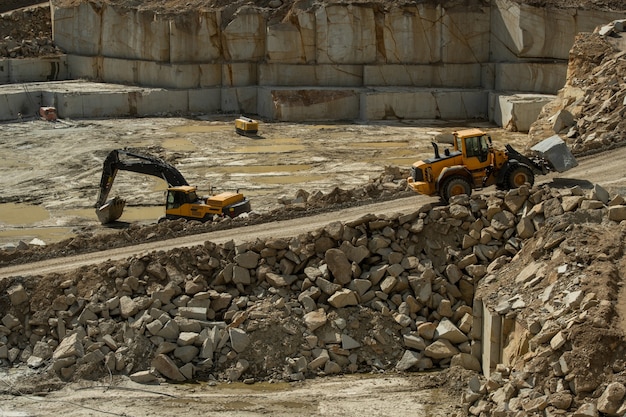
(51, 170)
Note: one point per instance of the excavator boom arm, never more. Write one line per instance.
(134, 162)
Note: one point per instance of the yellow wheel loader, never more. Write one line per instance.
(182, 200)
(474, 163)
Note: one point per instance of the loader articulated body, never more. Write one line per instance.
(474, 163)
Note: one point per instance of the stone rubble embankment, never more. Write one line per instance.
(380, 293)
(27, 33)
(390, 184)
(590, 109)
(564, 345)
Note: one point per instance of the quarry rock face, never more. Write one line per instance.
(336, 34)
(498, 60)
(333, 61)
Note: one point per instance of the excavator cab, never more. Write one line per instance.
(178, 196)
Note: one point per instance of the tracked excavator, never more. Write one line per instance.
(474, 163)
(182, 200)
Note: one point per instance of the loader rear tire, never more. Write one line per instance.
(518, 175)
(454, 186)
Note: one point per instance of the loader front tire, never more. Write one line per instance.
(454, 186)
(518, 175)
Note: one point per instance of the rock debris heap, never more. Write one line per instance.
(559, 305)
(27, 33)
(388, 292)
(590, 109)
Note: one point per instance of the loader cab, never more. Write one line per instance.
(475, 146)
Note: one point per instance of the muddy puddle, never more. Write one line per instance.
(263, 169)
(23, 214)
(288, 179)
(217, 127)
(131, 213)
(276, 145)
(28, 234)
(179, 144)
(26, 222)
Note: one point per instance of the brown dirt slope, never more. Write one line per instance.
(579, 252)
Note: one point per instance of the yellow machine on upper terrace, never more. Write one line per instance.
(474, 163)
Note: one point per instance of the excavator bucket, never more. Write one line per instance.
(555, 151)
(111, 210)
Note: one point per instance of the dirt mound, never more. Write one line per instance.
(378, 294)
(27, 33)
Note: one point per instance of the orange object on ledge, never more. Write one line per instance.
(48, 113)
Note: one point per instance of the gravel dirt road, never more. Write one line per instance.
(350, 396)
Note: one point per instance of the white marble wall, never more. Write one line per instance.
(416, 60)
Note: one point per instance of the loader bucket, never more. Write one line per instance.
(111, 210)
(555, 151)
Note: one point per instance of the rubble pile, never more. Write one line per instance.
(380, 293)
(391, 183)
(590, 109)
(565, 349)
(27, 33)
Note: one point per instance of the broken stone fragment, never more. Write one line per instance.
(617, 213)
(447, 330)
(70, 346)
(339, 266)
(144, 377)
(239, 340)
(315, 319)
(611, 399)
(441, 349)
(186, 353)
(409, 359)
(320, 360)
(166, 367)
(413, 341)
(17, 294)
(466, 361)
(10, 321)
(276, 280)
(128, 307)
